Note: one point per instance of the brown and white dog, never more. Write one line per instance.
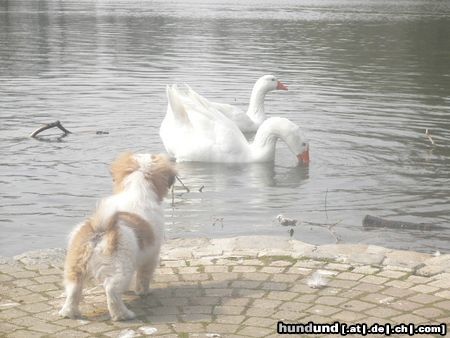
(124, 235)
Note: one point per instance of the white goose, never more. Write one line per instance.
(194, 132)
(250, 121)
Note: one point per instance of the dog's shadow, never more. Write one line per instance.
(186, 302)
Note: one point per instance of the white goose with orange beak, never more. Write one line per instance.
(194, 132)
(246, 121)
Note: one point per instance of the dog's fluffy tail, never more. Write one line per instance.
(105, 217)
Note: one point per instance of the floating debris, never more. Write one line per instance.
(56, 124)
(213, 335)
(217, 221)
(286, 221)
(317, 281)
(373, 221)
(437, 254)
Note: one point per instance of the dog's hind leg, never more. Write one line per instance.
(78, 254)
(73, 297)
(144, 275)
(114, 287)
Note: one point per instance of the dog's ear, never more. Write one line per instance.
(162, 174)
(123, 166)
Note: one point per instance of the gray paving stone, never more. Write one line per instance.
(222, 328)
(356, 305)
(253, 331)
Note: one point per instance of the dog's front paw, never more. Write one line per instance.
(67, 312)
(142, 292)
(126, 315)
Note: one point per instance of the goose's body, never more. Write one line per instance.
(192, 131)
(246, 121)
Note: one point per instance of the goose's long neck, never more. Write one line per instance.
(264, 143)
(256, 106)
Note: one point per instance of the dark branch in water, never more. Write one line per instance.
(377, 222)
(56, 124)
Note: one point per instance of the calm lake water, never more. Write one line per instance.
(366, 78)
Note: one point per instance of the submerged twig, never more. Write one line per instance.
(428, 134)
(201, 188)
(56, 124)
(331, 226)
(332, 232)
(179, 180)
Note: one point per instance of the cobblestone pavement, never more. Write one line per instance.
(238, 287)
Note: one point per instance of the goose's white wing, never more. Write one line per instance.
(192, 131)
(235, 114)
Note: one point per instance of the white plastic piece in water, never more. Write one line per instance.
(437, 254)
(286, 221)
(213, 335)
(148, 330)
(317, 281)
(128, 333)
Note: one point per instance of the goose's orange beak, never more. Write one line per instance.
(281, 86)
(304, 157)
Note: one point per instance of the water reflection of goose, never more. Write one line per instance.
(246, 121)
(252, 175)
(195, 133)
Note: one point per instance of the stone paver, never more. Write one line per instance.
(235, 287)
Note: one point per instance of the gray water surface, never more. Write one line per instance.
(366, 78)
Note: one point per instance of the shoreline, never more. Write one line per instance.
(422, 264)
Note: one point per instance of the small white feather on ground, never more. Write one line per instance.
(148, 330)
(128, 333)
(317, 280)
